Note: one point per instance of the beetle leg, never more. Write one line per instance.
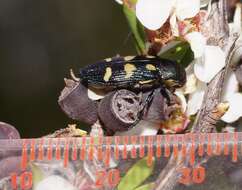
(166, 93)
(149, 100)
(147, 104)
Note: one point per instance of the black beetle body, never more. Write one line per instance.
(134, 72)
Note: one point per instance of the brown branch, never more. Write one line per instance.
(219, 35)
(212, 97)
(119, 110)
(75, 103)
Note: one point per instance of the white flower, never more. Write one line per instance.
(191, 84)
(231, 85)
(207, 66)
(235, 26)
(196, 98)
(154, 13)
(186, 9)
(235, 105)
(230, 94)
(53, 183)
(182, 98)
(142, 128)
(197, 42)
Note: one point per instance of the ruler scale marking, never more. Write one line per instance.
(133, 150)
(158, 146)
(142, 149)
(209, 145)
(150, 151)
(116, 151)
(132, 147)
(41, 149)
(74, 150)
(192, 149)
(32, 150)
(58, 150)
(235, 148)
(83, 149)
(66, 153)
(49, 150)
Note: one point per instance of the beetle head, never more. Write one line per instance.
(172, 74)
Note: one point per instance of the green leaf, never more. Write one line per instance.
(181, 53)
(136, 28)
(136, 175)
(37, 174)
(148, 186)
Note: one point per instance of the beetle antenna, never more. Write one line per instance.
(73, 76)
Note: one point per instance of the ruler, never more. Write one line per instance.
(107, 160)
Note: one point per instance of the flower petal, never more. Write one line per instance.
(234, 112)
(153, 13)
(187, 9)
(143, 128)
(236, 25)
(95, 94)
(204, 3)
(119, 2)
(191, 84)
(196, 99)
(54, 182)
(231, 85)
(236, 57)
(174, 25)
(210, 64)
(238, 73)
(197, 42)
(182, 98)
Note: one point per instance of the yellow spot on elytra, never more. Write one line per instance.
(150, 67)
(107, 74)
(128, 58)
(145, 81)
(108, 59)
(129, 70)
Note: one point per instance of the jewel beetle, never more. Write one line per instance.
(134, 72)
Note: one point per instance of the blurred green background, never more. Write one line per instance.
(40, 41)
